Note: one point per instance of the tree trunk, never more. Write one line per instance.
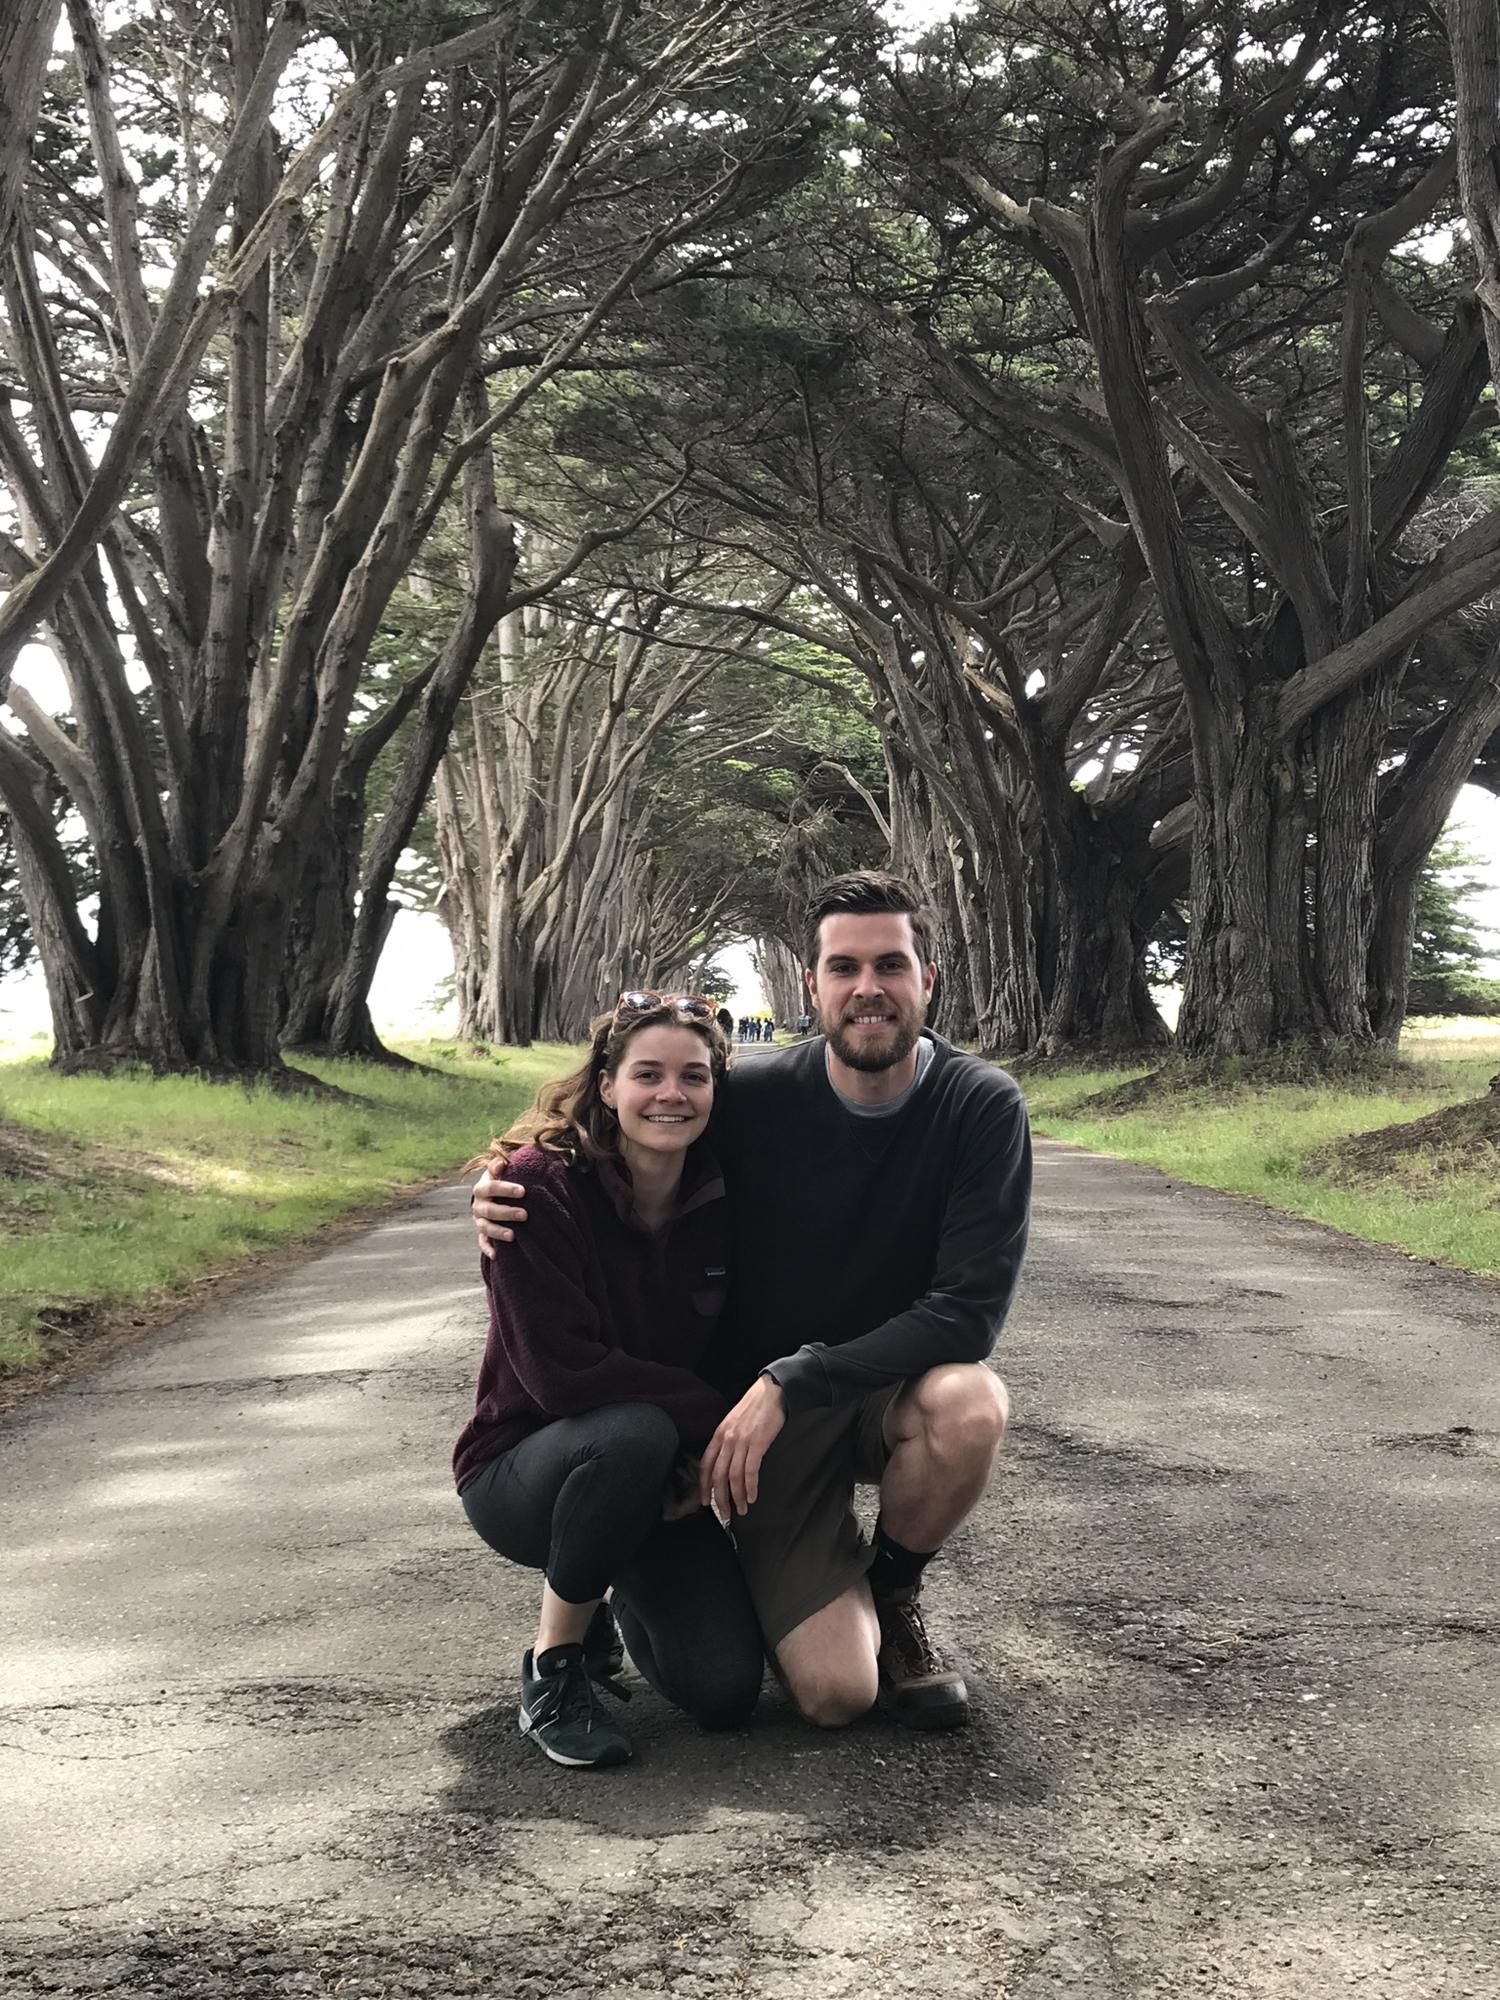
(1230, 1002)
(1474, 33)
(1389, 975)
(1347, 737)
(322, 923)
(1099, 1004)
(68, 956)
(490, 569)
(1413, 811)
(460, 904)
(509, 1012)
(26, 31)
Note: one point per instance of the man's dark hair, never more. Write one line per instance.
(868, 892)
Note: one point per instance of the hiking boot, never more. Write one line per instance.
(562, 1713)
(604, 1651)
(915, 1687)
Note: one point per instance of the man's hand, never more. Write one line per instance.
(490, 1205)
(730, 1471)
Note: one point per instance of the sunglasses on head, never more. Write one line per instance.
(691, 1004)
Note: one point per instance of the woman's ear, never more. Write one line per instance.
(607, 1088)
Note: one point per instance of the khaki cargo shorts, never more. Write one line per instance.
(801, 1545)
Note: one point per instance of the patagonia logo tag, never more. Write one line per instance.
(715, 1271)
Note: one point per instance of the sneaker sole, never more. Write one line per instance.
(604, 1763)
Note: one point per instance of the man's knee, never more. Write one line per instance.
(828, 1663)
(961, 1410)
(833, 1699)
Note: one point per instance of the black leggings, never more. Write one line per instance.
(582, 1500)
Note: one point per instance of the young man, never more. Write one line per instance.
(881, 1186)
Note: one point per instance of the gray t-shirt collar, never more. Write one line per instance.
(925, 1052)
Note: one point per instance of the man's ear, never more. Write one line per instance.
(930, 980)
(809, 980)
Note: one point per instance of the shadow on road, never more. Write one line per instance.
(875, 1784)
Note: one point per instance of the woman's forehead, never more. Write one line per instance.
(665, 1043)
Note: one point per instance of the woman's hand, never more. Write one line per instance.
(681, 1497)
(492, 1206)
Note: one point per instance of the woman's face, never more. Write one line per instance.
(663, 1090)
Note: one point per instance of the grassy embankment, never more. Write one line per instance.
(122, 1193)
(1258, 1139)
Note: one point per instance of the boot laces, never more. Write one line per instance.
(907, 1636)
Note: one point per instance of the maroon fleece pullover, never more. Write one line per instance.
(588, 1306)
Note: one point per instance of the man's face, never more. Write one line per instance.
(870, 989)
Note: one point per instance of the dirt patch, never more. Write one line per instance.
(249, 1961)
(1458, 1441)
(1065, 1452)
(1177, 1638)
(27, 1155)
(21, 1157)
(1463, 1139)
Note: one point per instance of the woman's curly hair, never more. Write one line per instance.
(570, 1117)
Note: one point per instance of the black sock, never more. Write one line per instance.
(895, 1570)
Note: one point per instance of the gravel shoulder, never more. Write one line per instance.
(1231, 1607)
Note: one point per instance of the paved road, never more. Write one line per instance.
(1231, 1609)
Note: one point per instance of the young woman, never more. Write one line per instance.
(581, 1457)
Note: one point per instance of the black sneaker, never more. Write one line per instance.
(562, 1713)
(604, 1651)
(915, 1687)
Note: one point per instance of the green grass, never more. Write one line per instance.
(143, 1185)
(1254, 1140)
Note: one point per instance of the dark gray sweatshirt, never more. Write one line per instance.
(868, 1249)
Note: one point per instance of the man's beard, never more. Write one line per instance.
(872, 1056)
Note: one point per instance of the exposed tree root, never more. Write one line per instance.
(377, 1052)
(1350, 1066)
(1464, 1138)
(1089, 1055)
(280, 1077)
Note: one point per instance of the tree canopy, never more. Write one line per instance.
(639, 460)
